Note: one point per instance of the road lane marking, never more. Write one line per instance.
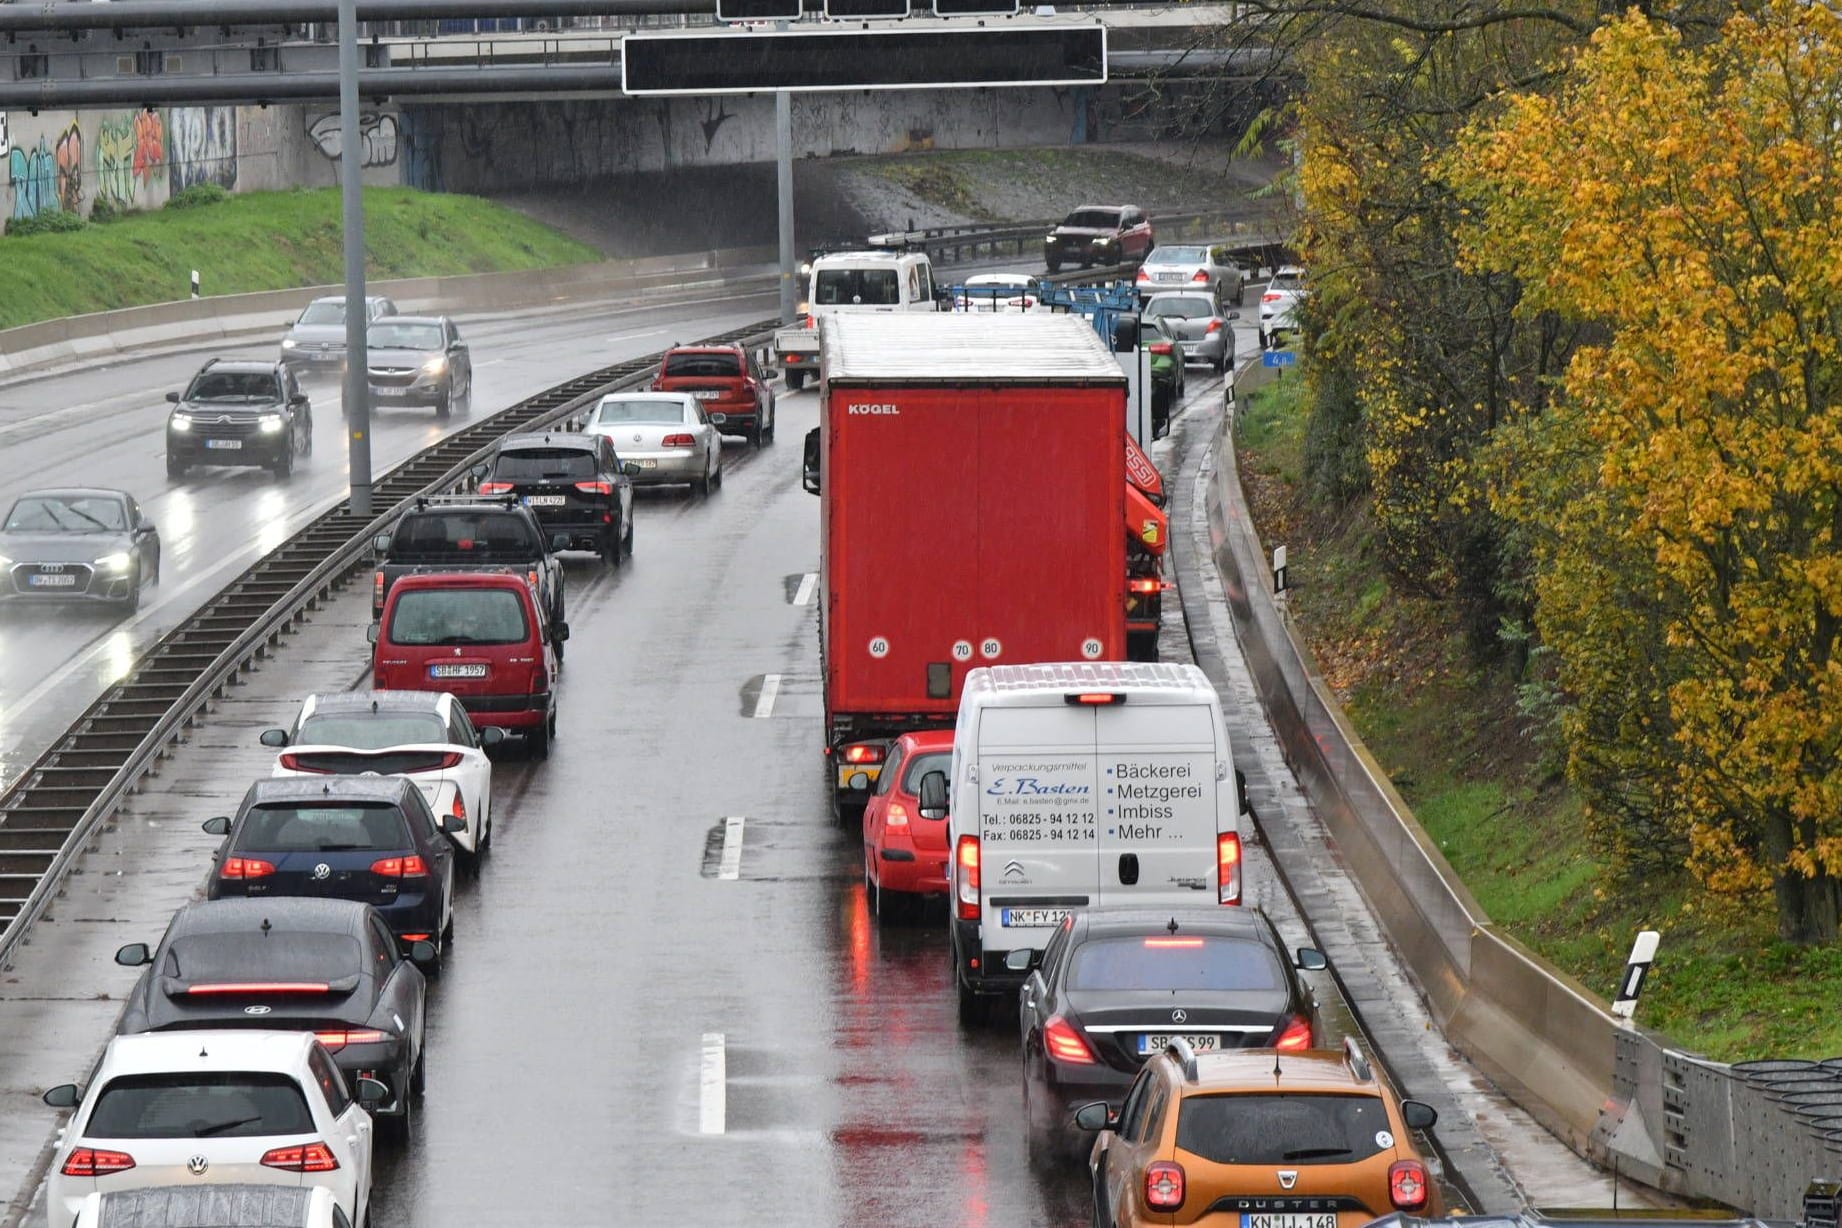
(764, 702)
(714, 1082)
(730, 867)
(806, 587)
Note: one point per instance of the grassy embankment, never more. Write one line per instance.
(265, 241)
(1449, 734)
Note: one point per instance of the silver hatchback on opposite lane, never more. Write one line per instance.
(668, 434)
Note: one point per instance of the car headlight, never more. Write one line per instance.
(113, 562)
(435, 365)
(180, 422)
(5, 562)
(271, 424)
(288, 343)
(1052, 238)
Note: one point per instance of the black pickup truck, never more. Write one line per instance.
(469, 534)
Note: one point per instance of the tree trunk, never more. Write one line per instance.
(1807, 907)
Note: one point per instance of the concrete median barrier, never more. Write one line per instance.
(53, 343)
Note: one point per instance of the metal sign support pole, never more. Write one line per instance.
(783, 154)
(351, 192)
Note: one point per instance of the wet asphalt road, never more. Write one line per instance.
(104, 425)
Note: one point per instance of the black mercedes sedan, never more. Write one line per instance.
(78, 544)
(1116, 985)
(327, 966)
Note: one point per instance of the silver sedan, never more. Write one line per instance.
(1195, 266)
(1197, 321)
(667, 434)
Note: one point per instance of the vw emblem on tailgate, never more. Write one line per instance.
(322, 871)
(1179, 1016)
(198, 1165)
(1288, 1177)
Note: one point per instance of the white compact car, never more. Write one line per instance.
(1279, 304)
(667, 434)
(1079, 785)
(213, 1108)
(423, 735)
(998, 292)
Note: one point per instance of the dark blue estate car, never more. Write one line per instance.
(367, 838)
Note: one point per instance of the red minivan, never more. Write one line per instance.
(481, 636)
(904, 852)
(728, 384)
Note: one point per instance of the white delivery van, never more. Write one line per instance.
(1081, 785)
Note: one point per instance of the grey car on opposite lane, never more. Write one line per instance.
(78, 544)
(418, 360)
(316, 338)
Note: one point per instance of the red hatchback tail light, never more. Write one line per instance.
(314, 1157)
(1407, 1187)
(400, 867)
(967, 858)
(247, 867)
(94, 1162)
(678, 441)
(1064, 1044)
(1164, 1186)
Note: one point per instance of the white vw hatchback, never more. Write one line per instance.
(212, 1108)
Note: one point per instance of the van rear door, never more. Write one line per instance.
(1158, 803)
(1037, 789)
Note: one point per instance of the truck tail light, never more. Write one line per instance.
(335, 1041)
(247, 868)
(896, 815)
(400, 867)
(1159, 347)
(314, 1157)
(1228, 866)
(1164, 1186)
(967, 858)
(495, 488)
(1407, 1185)
(595, 488)
(863, 752)
(1200, 276)
(1295, 1035)
(1064, 1044)
(1144, 584)
(678, 441)
(95, 1162)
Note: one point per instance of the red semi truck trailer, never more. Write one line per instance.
(971, 502)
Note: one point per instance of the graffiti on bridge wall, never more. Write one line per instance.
(201, 147)
(376, 130)
(4, 146)
(130, 150)
(34, 176)
(69, 156)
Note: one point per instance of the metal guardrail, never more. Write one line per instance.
(957, 244)
(78, 784)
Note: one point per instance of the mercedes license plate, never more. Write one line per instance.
(707, 394)
(1170, 277)
(53, 581)
(228, 444)
(544, 500)
(457, 671)
(1031, 918)
(1157, 1042)
(1274, 1219)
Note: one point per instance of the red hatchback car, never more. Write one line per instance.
(905, 855)
(483, 637)
(727, 383)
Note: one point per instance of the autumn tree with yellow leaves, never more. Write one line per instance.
(1682, 495)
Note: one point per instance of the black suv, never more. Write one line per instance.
(469, 535)
(574, 484)
(239, 413)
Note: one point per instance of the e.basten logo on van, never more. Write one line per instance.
(1033, 786)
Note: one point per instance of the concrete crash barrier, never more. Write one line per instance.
(202, 320)
(1622, 1097)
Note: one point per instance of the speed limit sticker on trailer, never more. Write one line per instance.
(1090, 648)
(962, 650)
(989, 648)
(879, 646)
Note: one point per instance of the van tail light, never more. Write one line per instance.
(678, 441)
(335, 1041)
(246, 868)
(495, 488)
(1064, 1044)
(595, 488)
(314, 1157)
(812, 321)
(967, 858)
(1228, 866)
(1164, 1186)
(1215, 326)
(1271, 296)
(377, 593)
(1407, 1185)
(896, 815)
(1159, 347)
(294, 763)
(1200, 276)
(400, 867)
(95, 1162)
(540, 679)
(1295, 1035)
(863, 752)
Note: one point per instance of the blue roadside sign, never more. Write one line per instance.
(1279, 358)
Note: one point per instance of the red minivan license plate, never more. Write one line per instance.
(457, 671)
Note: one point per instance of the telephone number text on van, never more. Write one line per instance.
(1070, 835)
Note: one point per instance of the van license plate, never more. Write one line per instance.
(544, 500)
(1031, 918)
(1257, 1219)
(1157, 1042)
(457, 671)
(229, 444)
(707, 394)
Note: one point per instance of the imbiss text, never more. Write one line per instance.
(1145, 791)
